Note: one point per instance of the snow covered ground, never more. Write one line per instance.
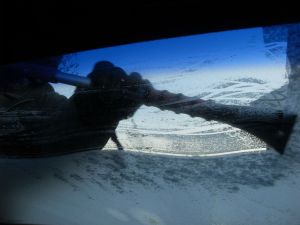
(175, 170)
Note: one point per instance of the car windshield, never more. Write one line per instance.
(174, 168)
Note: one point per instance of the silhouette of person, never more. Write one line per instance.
(36, 121)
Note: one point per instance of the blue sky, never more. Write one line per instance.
(230, 52)
(244, 45)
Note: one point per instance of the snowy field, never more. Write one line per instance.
(175, 169)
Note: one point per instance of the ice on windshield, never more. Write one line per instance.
(241, 67)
